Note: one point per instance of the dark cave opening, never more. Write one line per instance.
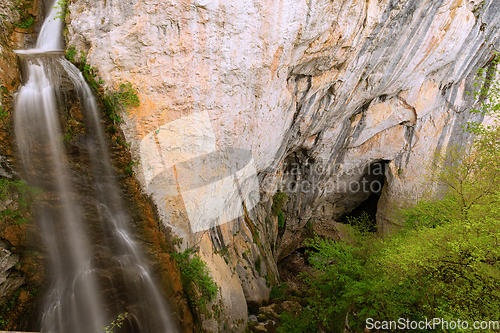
(363, 201)
(371, 183)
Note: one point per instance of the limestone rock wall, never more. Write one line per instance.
(313, 91)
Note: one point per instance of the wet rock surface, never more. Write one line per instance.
(22, 271)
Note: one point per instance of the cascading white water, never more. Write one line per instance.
(141, 290)
(76, 302)
(38, 136)
(50, 36)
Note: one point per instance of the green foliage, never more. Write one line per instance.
(281, 219)
(339, 279)
(177, 241)
(224, 252)
(26, 23)
(196, 279)
(297, 324)
(279, 198)
(68, 136)
(268, 280)
(21, 195)
(88, 72)
(3, 113)
(26, 20)
(10, 306)
(62, 9)
(449, 270)
(4, 322)
(113, 102)
(123, 144)
(278, 292)
(479, 9)
(487, 96)
(118, 322)
(71, 53)
(128, 168)
(444, 262)
(125, 96)
(363, 223)
(258, 263)
(4, 95)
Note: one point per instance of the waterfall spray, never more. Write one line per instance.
(76, 302)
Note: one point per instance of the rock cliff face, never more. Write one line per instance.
(312, 94)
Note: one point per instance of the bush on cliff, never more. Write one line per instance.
(200, 287)
(445, 262)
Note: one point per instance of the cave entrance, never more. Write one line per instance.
(370, 184)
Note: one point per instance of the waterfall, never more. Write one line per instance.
(93, 281)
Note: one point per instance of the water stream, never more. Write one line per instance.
(94, 278)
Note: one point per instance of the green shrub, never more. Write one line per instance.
(299, 324)
(279, 198)
(258, 263)
(23, 196)
(195, 274)
(71, 53)
(115, 101)
(127, 96)
(128, 168)
(124, 97)
(362, 223)
(443, 263)
(278, 291)
(26, 23)
(26, 20)
(3, 113)
(62, 6)
(281, 219)
(339, 267)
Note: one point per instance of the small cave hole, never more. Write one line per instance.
(371, 184)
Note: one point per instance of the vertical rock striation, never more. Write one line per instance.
(318, 91)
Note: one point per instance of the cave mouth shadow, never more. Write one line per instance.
(373, 182)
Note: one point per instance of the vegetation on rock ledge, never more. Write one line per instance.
(196, 280)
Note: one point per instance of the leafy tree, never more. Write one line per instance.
(340, 281)
(445, 262)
